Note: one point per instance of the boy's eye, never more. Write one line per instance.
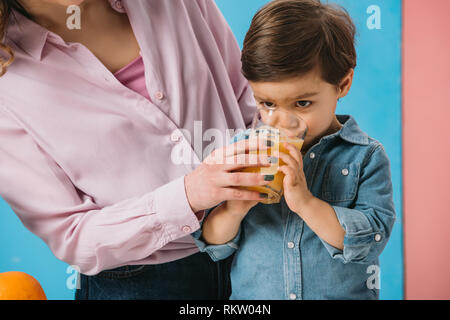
(268, 105)
(303, 103)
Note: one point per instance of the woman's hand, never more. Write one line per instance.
(296, 191)
(214, 180)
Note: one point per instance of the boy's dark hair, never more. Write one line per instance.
(289, 38)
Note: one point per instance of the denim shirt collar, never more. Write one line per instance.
(350, 131)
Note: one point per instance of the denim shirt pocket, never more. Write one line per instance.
(340, 183)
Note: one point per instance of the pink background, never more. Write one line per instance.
(426, 119)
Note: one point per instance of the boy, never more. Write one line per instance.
(337, 211)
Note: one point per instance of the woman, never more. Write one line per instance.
(89, 119)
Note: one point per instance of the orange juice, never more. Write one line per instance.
(274, 188)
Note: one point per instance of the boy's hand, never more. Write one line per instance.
(296, 191)
(239, 207)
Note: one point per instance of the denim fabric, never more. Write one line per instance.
(279, 257)
(193, 277)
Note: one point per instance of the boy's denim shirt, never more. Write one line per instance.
(277, 256)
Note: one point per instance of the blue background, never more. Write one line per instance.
(374, 100)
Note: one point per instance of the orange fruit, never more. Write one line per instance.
(15, 285)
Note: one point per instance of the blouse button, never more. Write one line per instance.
(186, 229)
(175, 137)
(345, 172)
(159, 95)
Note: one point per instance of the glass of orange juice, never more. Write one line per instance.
(278, 126)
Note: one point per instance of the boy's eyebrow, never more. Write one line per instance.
(305, 95)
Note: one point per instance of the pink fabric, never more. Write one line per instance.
(85, 162)
(133, 76)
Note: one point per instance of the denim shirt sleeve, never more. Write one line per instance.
(220, 251)
(369, 223)
(216, 251)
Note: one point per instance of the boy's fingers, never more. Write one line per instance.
(287, 170)
(288, 159)
(289, 174)
(294, 152)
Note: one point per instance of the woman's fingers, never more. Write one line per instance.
(242, 161)
(245, 179)
(220, 155)
(241, 194)
(248, 145)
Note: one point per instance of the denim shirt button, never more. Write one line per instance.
(312, 155)
(378, 237)
(345, 172)
(290, 245)
(292, 296)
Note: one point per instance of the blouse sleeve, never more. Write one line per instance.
(76, 229)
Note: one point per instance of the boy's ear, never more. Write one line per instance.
(346, 83)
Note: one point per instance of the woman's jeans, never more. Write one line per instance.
(193, 277)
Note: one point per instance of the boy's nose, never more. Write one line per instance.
(285, 120)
